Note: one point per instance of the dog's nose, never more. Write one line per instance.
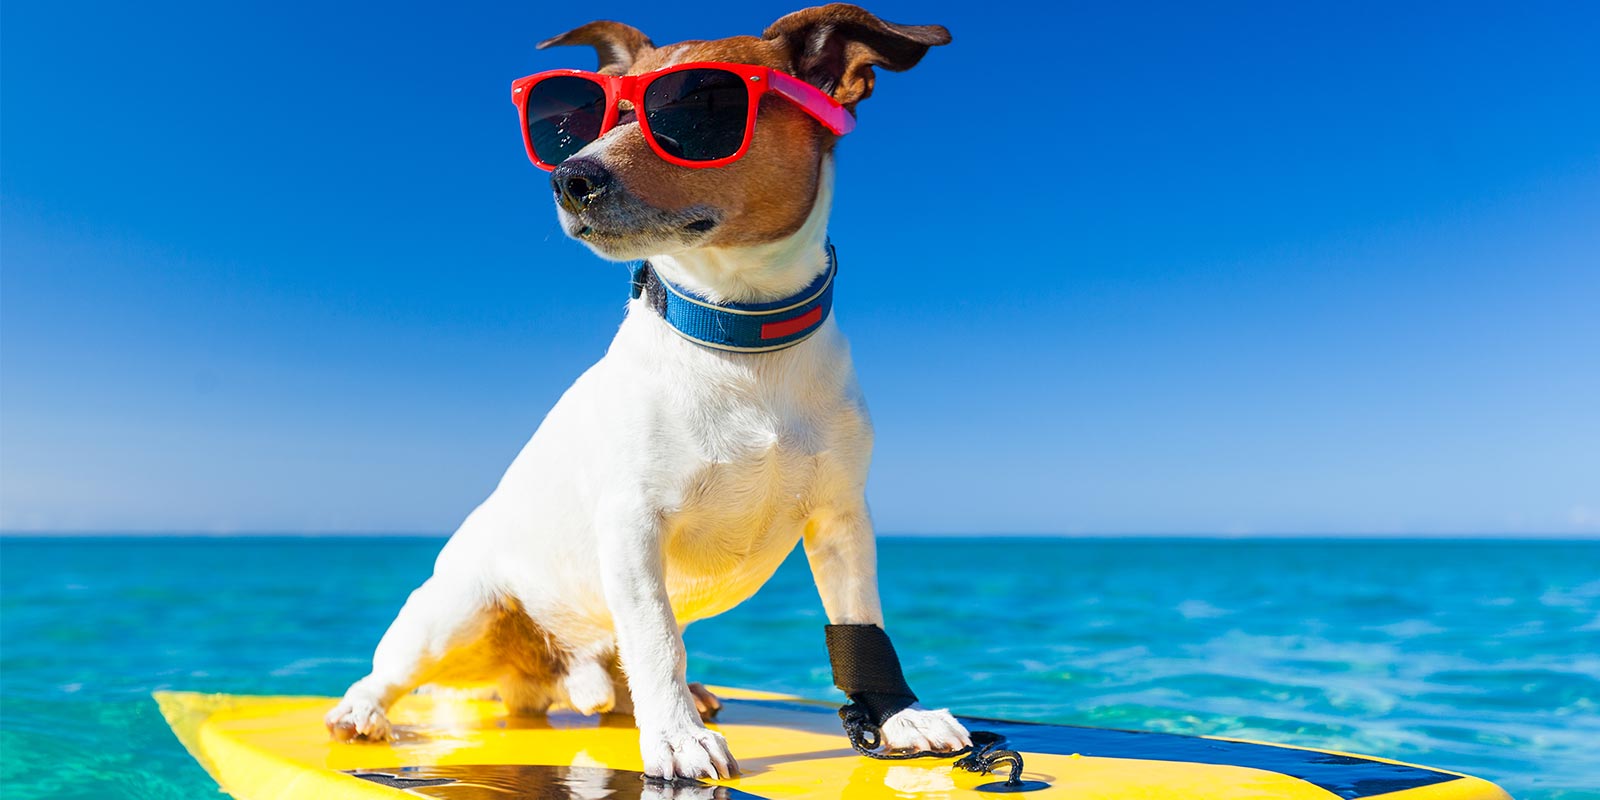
(579, 182)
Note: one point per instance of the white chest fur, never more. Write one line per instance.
(749, 451)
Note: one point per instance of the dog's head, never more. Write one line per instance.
(625, 202)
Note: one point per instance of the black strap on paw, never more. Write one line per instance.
(867, 670)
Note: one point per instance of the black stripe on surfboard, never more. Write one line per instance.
(1346, 776)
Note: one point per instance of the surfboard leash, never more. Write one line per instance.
(866, 668)
(983, 756)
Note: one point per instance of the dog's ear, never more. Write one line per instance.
(618, 44)
(835, 47)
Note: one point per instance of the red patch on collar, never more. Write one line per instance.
(778, 330)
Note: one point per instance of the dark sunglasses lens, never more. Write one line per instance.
(564, 115)
(698, 114)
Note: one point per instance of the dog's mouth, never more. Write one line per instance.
(697, 227)
(628, 231)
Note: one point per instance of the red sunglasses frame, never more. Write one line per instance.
(760, 80)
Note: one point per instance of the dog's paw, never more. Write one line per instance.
(688, 752)
(589, 688)
(358, 719)
(705, 702)
(918, 728)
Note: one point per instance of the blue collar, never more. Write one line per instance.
(739, 327)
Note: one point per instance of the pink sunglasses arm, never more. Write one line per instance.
(833, 116)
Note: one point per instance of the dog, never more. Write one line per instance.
(671, 480)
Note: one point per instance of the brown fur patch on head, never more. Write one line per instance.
(768, 194)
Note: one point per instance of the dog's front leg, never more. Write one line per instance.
(844, 561)
(672, 740)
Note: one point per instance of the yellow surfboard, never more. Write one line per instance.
(451, 748)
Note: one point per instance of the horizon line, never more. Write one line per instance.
(1197, 535)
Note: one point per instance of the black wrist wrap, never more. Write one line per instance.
(866, 668)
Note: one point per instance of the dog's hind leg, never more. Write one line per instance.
(588, 681)
(439, 619)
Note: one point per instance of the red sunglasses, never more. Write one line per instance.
(694, 115)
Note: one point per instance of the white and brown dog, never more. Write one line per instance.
(672, 478)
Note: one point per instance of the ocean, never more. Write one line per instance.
(1480, 656)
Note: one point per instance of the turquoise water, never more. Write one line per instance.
(1478, 656)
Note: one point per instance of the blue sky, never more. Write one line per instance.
(1108, 268)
